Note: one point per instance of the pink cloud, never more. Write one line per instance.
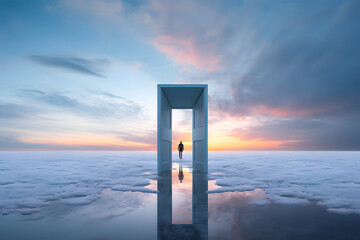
(291, 112)
(184, 51)
(280, 112)
(239, 111)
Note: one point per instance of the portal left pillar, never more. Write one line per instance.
(164, 132)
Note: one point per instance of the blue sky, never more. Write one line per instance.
(82, 75)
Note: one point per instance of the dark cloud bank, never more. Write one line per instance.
(313, 74)
(296, 65)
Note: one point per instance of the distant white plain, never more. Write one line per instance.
(31, 180)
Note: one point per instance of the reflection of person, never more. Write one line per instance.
(181, 149)
(181, 174)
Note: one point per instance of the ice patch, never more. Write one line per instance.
(22, 211)
(287, 200)
(79, 201)
(232, 189)
(133, 189)
(259, 202)
(292, 178)
(31, 180)
(232, 181)
(344, 211)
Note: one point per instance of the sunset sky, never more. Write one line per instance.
(83, 75)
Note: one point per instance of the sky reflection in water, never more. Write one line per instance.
(181, 194)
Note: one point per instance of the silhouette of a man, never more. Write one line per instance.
(181, 149)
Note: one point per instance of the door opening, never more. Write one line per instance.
(182, 167)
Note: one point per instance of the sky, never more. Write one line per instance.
(83, 74)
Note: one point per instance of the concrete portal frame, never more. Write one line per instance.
(183, 96)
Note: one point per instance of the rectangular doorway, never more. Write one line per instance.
(182, 168)
(182, 96)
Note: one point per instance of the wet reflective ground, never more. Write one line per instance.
(119, 196)
(230, 217)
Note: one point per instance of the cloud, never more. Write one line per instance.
(302, 62)
(184, 51)
(299, 70)
(111, 95)
(304, 75)
(306, 134)
(51, 98)
(73, 64)
(187, 35)
(96, 7)
(147, 137)
(95, 106)
(9, 142)
(12, 142)
(84, 122)
(177, 31)
(11, 110)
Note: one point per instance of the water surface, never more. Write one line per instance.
(115, 195)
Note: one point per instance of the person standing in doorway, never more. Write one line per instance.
(181, 149)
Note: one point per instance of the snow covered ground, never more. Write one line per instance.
(31, 180)
(332, 179)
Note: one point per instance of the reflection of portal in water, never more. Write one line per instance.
(167, 229)
(181, 194)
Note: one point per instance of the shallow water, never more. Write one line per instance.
(116, 195)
